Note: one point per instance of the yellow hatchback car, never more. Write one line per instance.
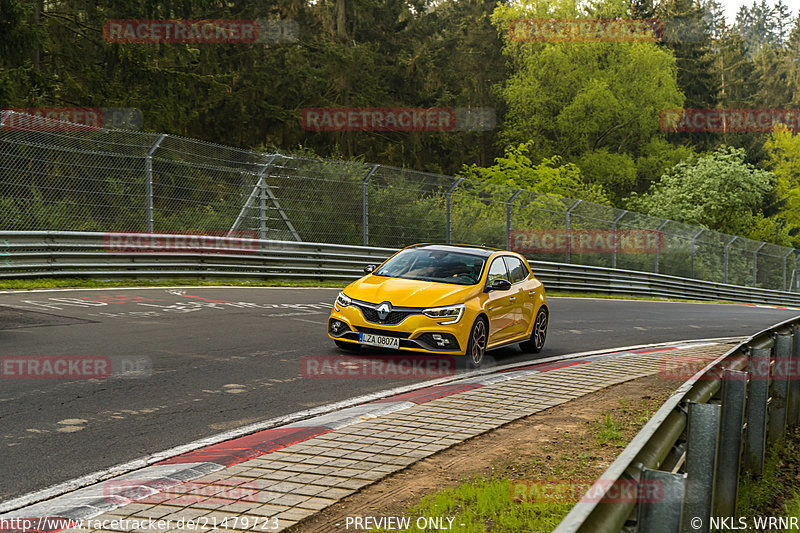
(443, 299)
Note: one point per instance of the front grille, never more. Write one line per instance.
(370, 314)
(390, 333)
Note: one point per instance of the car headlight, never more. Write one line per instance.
(452, 313)
(342, 301)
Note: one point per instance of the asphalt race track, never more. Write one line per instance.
(201, 361)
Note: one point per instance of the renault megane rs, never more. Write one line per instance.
(443, 299)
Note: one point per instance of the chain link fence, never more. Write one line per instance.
(62, 176)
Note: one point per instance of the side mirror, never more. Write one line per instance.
(369, 269)
(499, 285)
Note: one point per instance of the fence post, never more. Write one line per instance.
(566, 224)
(660, 240)
(616, 240)
(784, 267)
(793, 400)
(508, 217)
(448, 201)
(365, 205)
(148, 181)
(780, 388)
(794, 274)
(702, 442)
(663, 515)
(755, 262)
(726, 257)
(757, 397)
(734, 393)
(262, 211)
(694, 238)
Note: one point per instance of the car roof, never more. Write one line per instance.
(474, 250)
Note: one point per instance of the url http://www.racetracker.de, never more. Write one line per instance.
(202, 523)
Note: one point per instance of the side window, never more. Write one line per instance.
(497, 271)
(516, 269)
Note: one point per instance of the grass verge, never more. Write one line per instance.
(565, 469)
(777, 492)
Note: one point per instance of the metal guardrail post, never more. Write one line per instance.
(793, 400)
(756, 412)
(448, 200)
(694, 238)
(784, 267)
(755, 262)
(663, 515)
(702, 442)
(781, 375)
(567, 226)
(616, 240)
(365, 205)
(734, 394)
(727, 245)
(148, 181)
(661, 240)
(508, 217)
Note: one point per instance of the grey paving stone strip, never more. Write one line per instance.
(272, 492)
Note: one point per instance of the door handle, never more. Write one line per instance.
(512, 298)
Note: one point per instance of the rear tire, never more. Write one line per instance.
(476, 347)
(539, 333)
(347, 346)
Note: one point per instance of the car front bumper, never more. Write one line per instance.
(416, 333)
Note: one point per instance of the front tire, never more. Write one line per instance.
(539, 333)
(476, 347)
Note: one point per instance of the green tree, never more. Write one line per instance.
(579, 98)
(516, 169)
(717, 190)
(783, 148)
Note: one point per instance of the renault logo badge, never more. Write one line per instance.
(383, 310)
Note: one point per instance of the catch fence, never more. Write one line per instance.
(57, 176)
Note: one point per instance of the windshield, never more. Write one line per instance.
(434, 265)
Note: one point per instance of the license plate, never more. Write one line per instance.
(379, 340)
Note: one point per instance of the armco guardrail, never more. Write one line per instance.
(692, 450)
(32, 254)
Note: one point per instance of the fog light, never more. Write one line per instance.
(440, 341)
(336, 326)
